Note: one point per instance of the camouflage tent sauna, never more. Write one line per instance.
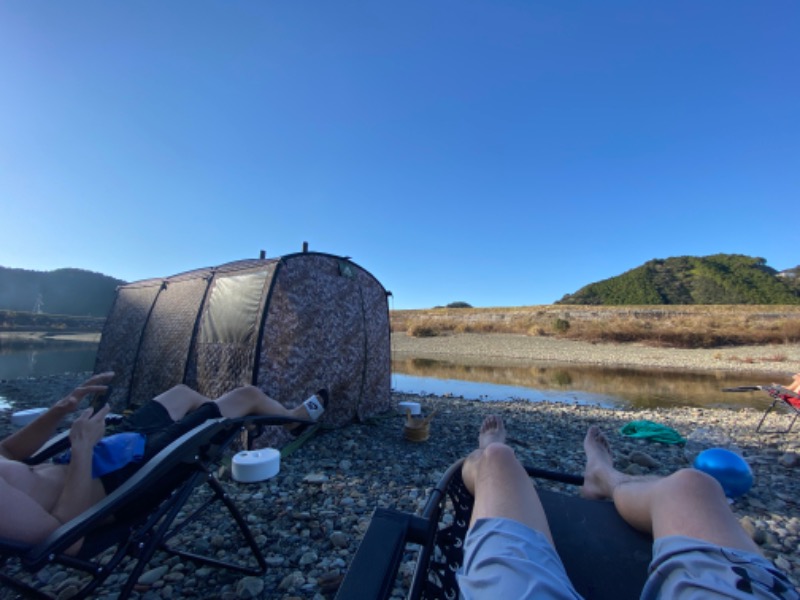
(288, 325)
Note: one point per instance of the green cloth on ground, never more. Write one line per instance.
(653, 432)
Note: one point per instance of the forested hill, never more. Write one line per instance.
(717, 279)
(59, 292)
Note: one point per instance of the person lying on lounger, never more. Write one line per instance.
(37, 500)
(699, 549)
(795, 385)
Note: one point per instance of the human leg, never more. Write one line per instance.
(242, 401)
(700, 550)
(249, 400)
(499, 483)
(688, 502)
(508, 550)
(180, 400)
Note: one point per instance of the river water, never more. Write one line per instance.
(582, 384)
(559, 383)
(50, 358)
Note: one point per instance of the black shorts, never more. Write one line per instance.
(153, 421)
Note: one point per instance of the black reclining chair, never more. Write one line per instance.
(604, 557)
(145, 511)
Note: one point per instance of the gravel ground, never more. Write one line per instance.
(779, 360)
(311, 517)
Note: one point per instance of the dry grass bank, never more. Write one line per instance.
(671, 326)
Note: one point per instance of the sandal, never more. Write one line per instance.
(315, 405)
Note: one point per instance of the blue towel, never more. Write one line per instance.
(112, 453)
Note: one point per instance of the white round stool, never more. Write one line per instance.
(256, 465)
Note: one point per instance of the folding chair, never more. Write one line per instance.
(603, 555)
(780, 396)
(145, 512)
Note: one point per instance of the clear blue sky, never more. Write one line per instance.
(501, 153)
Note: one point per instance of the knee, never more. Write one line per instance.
(497, 454)
(482, 464)
(176, 392)
(691, 482)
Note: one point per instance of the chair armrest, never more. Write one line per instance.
(54, 446)
(374, 567)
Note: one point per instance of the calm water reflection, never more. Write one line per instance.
(570, 383)
(50, 358)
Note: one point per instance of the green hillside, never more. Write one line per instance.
(717, 279)
(60, 292)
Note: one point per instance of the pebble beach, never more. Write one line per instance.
(310, 518)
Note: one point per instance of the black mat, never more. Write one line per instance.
(604, 556)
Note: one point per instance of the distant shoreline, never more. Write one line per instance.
(488, 348)
(33, 337)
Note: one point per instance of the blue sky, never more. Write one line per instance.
(500, 153)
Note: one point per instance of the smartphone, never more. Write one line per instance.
(100, 400)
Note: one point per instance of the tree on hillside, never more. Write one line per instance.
(459, 305)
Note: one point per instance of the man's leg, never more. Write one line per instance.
(508, 551)
(688, 502)
(499, 483)
(247, 400)
(700, 550)
(180, 400)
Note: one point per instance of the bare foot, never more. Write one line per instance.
(492, 430)
(599, 477)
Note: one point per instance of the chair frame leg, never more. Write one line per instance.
(769, 410)
(155, 538)
(220, 495)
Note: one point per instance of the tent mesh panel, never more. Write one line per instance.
(167, 339)
(122, 332)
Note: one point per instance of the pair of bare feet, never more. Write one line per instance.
(600, 477)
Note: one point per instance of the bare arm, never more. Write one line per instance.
(23, 443)
(76, 495)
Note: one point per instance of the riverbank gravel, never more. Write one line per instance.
(781, 359)
(310, 518)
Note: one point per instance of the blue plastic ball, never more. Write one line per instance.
(728, 468)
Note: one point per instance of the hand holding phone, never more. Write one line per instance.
(100, 399)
